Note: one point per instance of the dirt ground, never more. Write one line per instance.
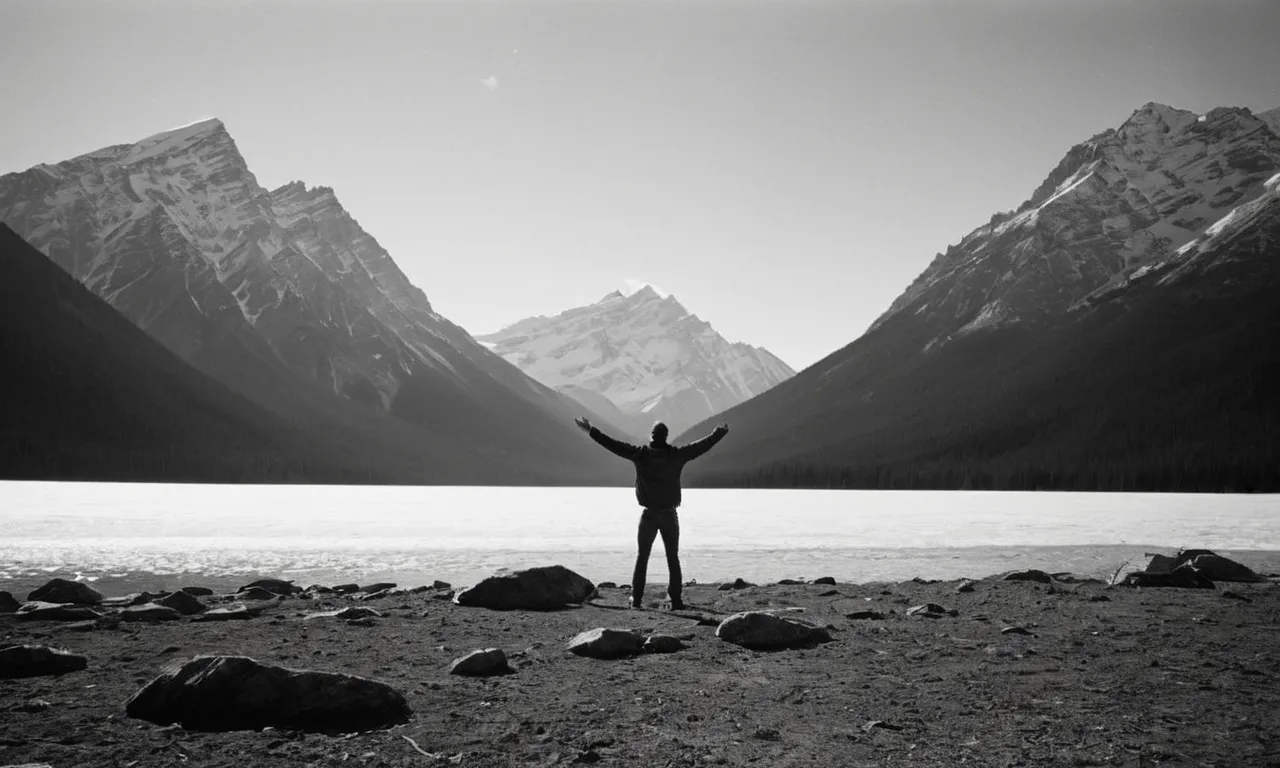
(1108, 676)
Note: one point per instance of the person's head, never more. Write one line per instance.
(659, 433)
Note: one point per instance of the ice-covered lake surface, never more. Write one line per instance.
(167, 535)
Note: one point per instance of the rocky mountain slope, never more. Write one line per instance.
(1114, 331)
(264, 290)
(638, 359)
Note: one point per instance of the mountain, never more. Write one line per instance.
(282, 296)
(1115, 331)
(638, 359)
(89, 396)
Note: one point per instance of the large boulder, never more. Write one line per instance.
(8, 603)
(1031, 574)
(482, 663)
(1186, 576)
(37, 660)
(274, 586)
(197, 591)
(184, 603)
(1218, 568)
(232, 693)
(604, 643)
(63, 591)
(546, 588)
(39, 610)
(767, 631)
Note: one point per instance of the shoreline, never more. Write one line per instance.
(1094, 675)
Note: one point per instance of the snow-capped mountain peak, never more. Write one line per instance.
(639, 358)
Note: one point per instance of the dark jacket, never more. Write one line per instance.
(658, 466)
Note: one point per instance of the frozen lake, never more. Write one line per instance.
(412, 535)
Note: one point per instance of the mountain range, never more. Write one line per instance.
(1115, 331)
(638, 359)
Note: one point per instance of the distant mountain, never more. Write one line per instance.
(1115, 331)
(638, 359)
(283, 297)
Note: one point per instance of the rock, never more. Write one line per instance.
(8, 603)
(1235, 596)
(256, 593)
(274, 586)
(149, 612)
(234, 613)
(184, 603)
(381, 586)
(607, 585)
(230, 693)
(829, 593)
(317, 589)
(1161, 564)
(767, 734)
(789, 582)
(448, 594)
(55, 611)
(828, 580)
(63, 591)
(872, 615)
(871, 725)
(1099, 599)
(735, 584)
(1015, 630)
(377, 595)
(38, 660)
(931, 611)
(81, 626)
(482, 663)
(438, 584)
(197, 591)
(766, 631)
(1219, 568)
(1031, 574)
(348, 614)
(345, 589)
(1185, 576)
(140, 598)
(603, 643)
(965, 586)
(536, 589)
(31, 705)
(363, 621)
(661, 644)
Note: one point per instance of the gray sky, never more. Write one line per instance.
(785, 168)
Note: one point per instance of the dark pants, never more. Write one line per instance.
(653, 522)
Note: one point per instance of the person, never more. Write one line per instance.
(658, 467)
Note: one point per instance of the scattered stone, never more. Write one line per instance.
(606, 585)
(735, 584)
(275, 586)
(931, 611)
(445, 595)
(1235, 596)
(965, 586)
(197, 591)
(789, 582)
(38, 660)
(482, 663)
(1218, 568)
(536, 589)
(767, 734)
(82, 626)
(63, 591)
(381, 586)
(230, 693)
(234, 613)
(829, 593)
(603, 643)
(375, 595)
(1031, 574)
(184, 603)
(1099, 599)
(55, 611)
(137, 598)
(317, 589)
(871, 725)
(345, 589)
(662, 644)
(438, 584)
(1016, 630)
(149, 612)
(767, 631)
(358, 612)
(8, 603)
(919, 580)
(828, 580)
(32, 705)
(872, 615)
(257, 593)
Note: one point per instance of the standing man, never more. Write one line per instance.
(658, 467)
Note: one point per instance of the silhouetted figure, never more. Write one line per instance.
(658, 467)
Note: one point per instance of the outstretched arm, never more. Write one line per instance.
(698, 447)
(617, 447)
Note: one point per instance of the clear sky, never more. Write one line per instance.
(784, 167)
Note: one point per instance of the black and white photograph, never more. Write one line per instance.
(655, 383)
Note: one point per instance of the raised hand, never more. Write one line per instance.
(583, 424)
